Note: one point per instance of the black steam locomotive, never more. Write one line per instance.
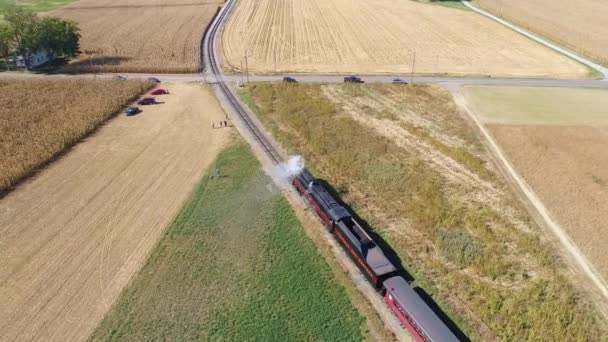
(401, 298)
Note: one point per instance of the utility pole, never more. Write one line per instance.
(246, 66)
(413, 67)
(242, 73)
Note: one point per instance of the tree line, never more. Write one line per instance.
(24, 33)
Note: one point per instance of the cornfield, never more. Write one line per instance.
(133, 36)
(41, 118)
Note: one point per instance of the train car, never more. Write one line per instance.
(349, 233)
(322, 201)
(411, 310)
(370, 258)
(414, 313)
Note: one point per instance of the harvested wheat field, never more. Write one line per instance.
(34, 129)
(557, 138)
(416, 172)
(140, 36)
(72, 237)
(379, 37)
(578, 25)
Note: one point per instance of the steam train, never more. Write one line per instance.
(400, 297)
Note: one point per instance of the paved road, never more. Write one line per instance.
(581, 59)
(455, 81)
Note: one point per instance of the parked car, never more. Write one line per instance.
(153, 79)
(289, 80)
(130, 111)
(353, 79)
(399, 81)
(146, 101)
(159, 92)
(119, 78)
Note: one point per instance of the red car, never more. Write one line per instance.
(146, 101)
(159, 92)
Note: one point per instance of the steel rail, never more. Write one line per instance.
(216, 70)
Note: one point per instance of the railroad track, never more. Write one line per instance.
(211, 61)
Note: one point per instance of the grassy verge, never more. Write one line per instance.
(36, 5)
(39, 119)
(457, 4)
(234, 266)
(392, 152)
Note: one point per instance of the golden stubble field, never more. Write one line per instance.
(381, 36)
(556, 138)
(579, 25)
(73, 236)
(140, 36)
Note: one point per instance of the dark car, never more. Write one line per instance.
(399, 81)
(353, 79)
(289, 80)
(159, 92)
(153, 79)
(146, 101)
(131, 111)
(119, 78)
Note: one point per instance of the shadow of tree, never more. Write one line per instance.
(93, 64)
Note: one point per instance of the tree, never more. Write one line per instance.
(57, 36)
(6, 44)
(22, 24)
(30, 34)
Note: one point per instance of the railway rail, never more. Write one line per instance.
(216, 70)
(414, 314)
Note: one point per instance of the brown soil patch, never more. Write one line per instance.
(72, 237)
(140, 36)
(381, 36)
(568, 168)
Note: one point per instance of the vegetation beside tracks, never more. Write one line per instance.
(235, 265)
(408, 162)
(36, 5)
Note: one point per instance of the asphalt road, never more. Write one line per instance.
(453, 81)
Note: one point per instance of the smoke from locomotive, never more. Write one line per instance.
(291, 168)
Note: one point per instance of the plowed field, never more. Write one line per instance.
(381, 36)
(579, 25)
(140, 36)
(72, 237)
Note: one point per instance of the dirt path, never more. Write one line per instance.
(72, 237)
(577, 259)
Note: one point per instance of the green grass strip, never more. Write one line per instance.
(234, 266)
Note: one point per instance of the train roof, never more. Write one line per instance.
(418, 310)
(335, 210)
(305, 176)
(378, 261)
(359, 239)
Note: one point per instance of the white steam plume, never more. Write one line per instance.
(292, 167)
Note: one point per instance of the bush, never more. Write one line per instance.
(459, 247)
